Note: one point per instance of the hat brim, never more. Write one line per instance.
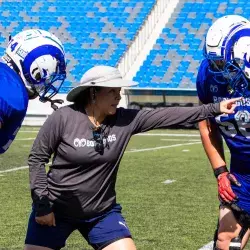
(73, 93)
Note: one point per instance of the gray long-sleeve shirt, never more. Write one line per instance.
(81, 181)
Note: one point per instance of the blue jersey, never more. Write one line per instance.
(235, 129)
(13, 105)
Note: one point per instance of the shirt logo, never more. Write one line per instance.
(82, 142)
(123, 224)
(243, 116)
(213, 88)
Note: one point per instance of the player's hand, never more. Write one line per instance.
(46, 220)
(226, 194)
(228, 106)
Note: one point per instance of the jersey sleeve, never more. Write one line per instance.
(145, 120)
(44, 146)
(5, 111)
(11, 121)
(201, 82)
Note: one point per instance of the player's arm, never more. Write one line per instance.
(210, 136)
(213, 146)
(212, 143)
(4, 111)
(10, 123)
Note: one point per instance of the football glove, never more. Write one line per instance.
(225, 180)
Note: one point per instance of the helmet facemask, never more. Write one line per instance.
(216, 66)
(237, 56)
(236, 74)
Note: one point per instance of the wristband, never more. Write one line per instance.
(220, 170)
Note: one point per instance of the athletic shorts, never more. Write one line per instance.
(99, 232)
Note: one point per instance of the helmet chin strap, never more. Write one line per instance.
(32, 93)
(52, 102)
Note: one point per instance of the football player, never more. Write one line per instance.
(223, 74)
(33, 65)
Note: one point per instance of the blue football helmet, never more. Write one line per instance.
(237, 58)
(216, 38)
(39, 58)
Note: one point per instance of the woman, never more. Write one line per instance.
(88, 140)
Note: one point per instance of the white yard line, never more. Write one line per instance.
(28, 131)
(174, 135)
(25, 139)
(156, 148)
(208, 246)
(16, 169)
(168, 181)
(173, 139)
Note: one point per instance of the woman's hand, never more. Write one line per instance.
(229, 105)
(47, 220)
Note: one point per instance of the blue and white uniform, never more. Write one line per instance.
(13, 105)
(235, 129)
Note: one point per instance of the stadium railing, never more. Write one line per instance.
(126, 61)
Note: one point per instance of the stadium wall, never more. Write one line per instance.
(38, 112)
(156, 98)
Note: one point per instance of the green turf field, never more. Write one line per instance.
(176, 216)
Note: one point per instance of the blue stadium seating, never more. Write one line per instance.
(99, 32)
(174, 60)
(93, 32)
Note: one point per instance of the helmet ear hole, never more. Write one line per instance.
(38, 76)
(57, 67)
